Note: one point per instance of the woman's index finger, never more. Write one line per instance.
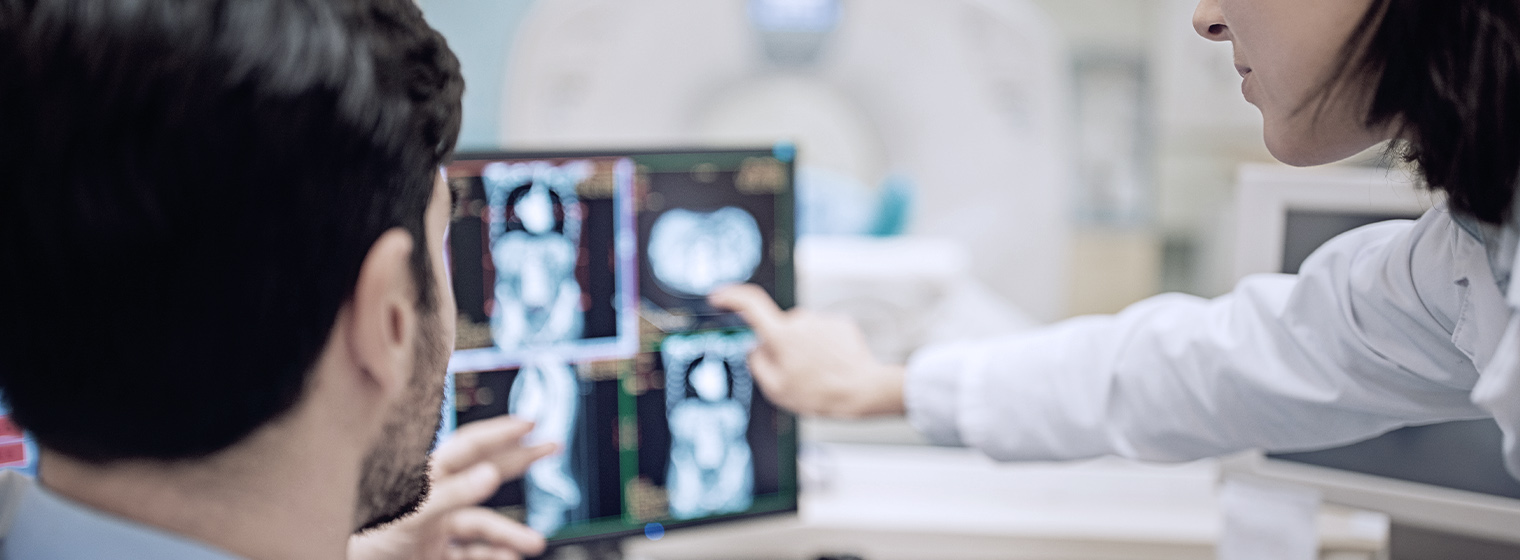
(753, 304)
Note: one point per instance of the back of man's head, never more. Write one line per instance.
(187, 191)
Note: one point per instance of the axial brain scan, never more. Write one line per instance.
(695, 252)
(707, 394)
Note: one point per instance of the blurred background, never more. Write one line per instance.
(1081, 153)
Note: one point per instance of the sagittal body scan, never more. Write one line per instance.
(535, 221)
(708, 390)
(693, 253)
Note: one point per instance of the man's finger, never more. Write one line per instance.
(480, 552)
(478, 441)
(475, 484)
(514, 462)
(483, 526)
(753, 304)
(463, 489)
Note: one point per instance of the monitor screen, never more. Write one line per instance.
(581, 281)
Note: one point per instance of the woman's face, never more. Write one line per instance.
(1285, 50)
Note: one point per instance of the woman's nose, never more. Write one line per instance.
(1208, 21)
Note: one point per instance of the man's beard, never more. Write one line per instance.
(394, 481)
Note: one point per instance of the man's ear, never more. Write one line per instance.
(383, 315)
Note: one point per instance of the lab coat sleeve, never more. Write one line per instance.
(1357, 344)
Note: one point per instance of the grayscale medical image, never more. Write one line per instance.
(582, 482)
(708, 390)
(534, 236)
(543, 257)
(693, 253)
(707, 221)
(546, 392)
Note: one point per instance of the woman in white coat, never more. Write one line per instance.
(1386, 326)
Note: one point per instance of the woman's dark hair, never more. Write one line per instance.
(187, 191)
(1448, 76)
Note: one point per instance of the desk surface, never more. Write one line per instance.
(890, 502)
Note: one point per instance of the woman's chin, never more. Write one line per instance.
(1305, 145)
(1296, 156)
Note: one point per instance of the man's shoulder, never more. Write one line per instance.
(13, 487)
(37, 523)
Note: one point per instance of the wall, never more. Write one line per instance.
(1202, 130)
(481, 33)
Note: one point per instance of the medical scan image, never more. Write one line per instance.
(706, 224)
(546, 392)
(535, 228)
(693, 253)
(708, 390)
(543, 259)
(534, 239)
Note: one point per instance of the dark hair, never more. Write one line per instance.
(187, 191)
(1448, 75)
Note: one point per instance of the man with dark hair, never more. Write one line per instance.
(225, 317)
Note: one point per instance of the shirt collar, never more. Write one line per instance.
(46, 525)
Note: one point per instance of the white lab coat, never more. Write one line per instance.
(1389, 325)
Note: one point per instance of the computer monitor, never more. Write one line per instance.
(581, 280)
(1448, 477)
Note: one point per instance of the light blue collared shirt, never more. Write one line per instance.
(36, 524)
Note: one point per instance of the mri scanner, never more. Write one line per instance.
(966, 98)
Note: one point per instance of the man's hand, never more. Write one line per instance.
(811, 363)
(466, 470)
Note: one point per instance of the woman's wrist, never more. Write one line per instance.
(878, 392)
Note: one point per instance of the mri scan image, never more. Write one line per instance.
(546, 392)
(708, 390)
(534, 235)
(692, 253)
(534, 238)
(543, 256)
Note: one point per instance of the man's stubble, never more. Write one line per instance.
(394, 481)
